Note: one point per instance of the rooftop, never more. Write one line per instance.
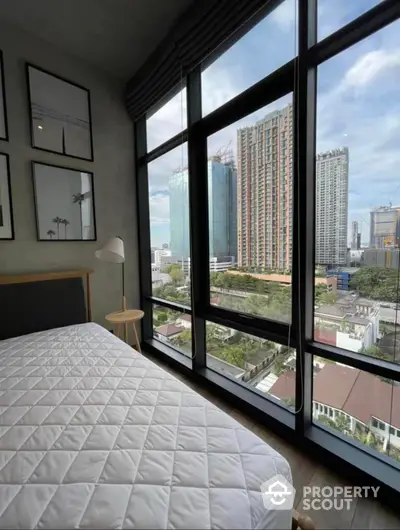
(167, 330)
(359, 394)
(186, 318)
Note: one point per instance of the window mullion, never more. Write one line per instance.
(142, 201)
(304, 193)
(198, 218)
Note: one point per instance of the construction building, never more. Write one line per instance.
(385, 227)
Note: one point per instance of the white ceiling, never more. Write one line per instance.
(114, 35)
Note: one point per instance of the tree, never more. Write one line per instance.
(341, 423)
(232, 354)
(375, 351)
(378, 283)
(162, 317)
(175, 273)
(279, 366)
(171, 293)
(51, 233)
(328, 298)
(57, 220)
(183, 338)
(65, 222)
(79, 198)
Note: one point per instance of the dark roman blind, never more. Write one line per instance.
(206, 25)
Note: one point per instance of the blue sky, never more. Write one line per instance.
(358, 106)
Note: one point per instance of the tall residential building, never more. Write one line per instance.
(332, 179)
(265, 191)
(178, 184)
(354, 235)
(222, 210)
(385, 227)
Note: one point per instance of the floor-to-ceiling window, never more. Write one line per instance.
(269, 205)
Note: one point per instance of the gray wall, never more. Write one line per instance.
(113, 170)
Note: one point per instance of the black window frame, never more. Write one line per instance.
(300, 333)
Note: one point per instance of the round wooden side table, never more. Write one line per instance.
(121, 319)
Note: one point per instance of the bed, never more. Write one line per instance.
(94, 435)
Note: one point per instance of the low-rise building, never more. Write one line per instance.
(343, 276)
(185, 321)
(369, 403)
(286, 279)
(158, 278)
(351, 323)
(159, 254)
(380, 257)
(167, 331)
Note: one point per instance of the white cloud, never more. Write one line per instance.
(285, 15)
(370, 66)
(357, 106)
(168, 121)
(159, 211)
(334, 14)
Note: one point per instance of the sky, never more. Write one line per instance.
(358, 106)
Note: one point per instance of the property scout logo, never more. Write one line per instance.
(278, 494)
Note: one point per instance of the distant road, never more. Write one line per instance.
(235, 292)
(389, 315)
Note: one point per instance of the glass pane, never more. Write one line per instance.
(360, 405)
(168, 121)
(173, 328)
(250, 213)
(334, 14)
(267, 367)
(358, 198)
(266, 47)
(169, 226)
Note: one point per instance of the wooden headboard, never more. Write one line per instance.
(36, 302)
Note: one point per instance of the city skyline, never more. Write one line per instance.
(357, 104)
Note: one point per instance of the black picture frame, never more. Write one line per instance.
(3, 102)
(30, 68)
(49, 238)
(7, 193)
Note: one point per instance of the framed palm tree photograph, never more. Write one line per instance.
(6, 213)
(64, 203)
(60, 114)
(3, 108)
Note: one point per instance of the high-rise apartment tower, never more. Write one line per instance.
(265, 191)
(332, 179)
(222, 210)
(354, 235)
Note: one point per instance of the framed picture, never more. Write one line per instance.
(6, 213)
(59, 114)
(64, 203)
(3, 108)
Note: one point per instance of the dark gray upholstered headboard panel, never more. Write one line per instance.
(36, 302)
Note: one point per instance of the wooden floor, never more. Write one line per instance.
(363, 513)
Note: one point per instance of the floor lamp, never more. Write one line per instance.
(113, 252)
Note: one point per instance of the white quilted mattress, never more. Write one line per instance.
(93, 435)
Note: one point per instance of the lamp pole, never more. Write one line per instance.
(123, 280)
(123, 287)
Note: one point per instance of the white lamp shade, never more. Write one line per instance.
(113, 251)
